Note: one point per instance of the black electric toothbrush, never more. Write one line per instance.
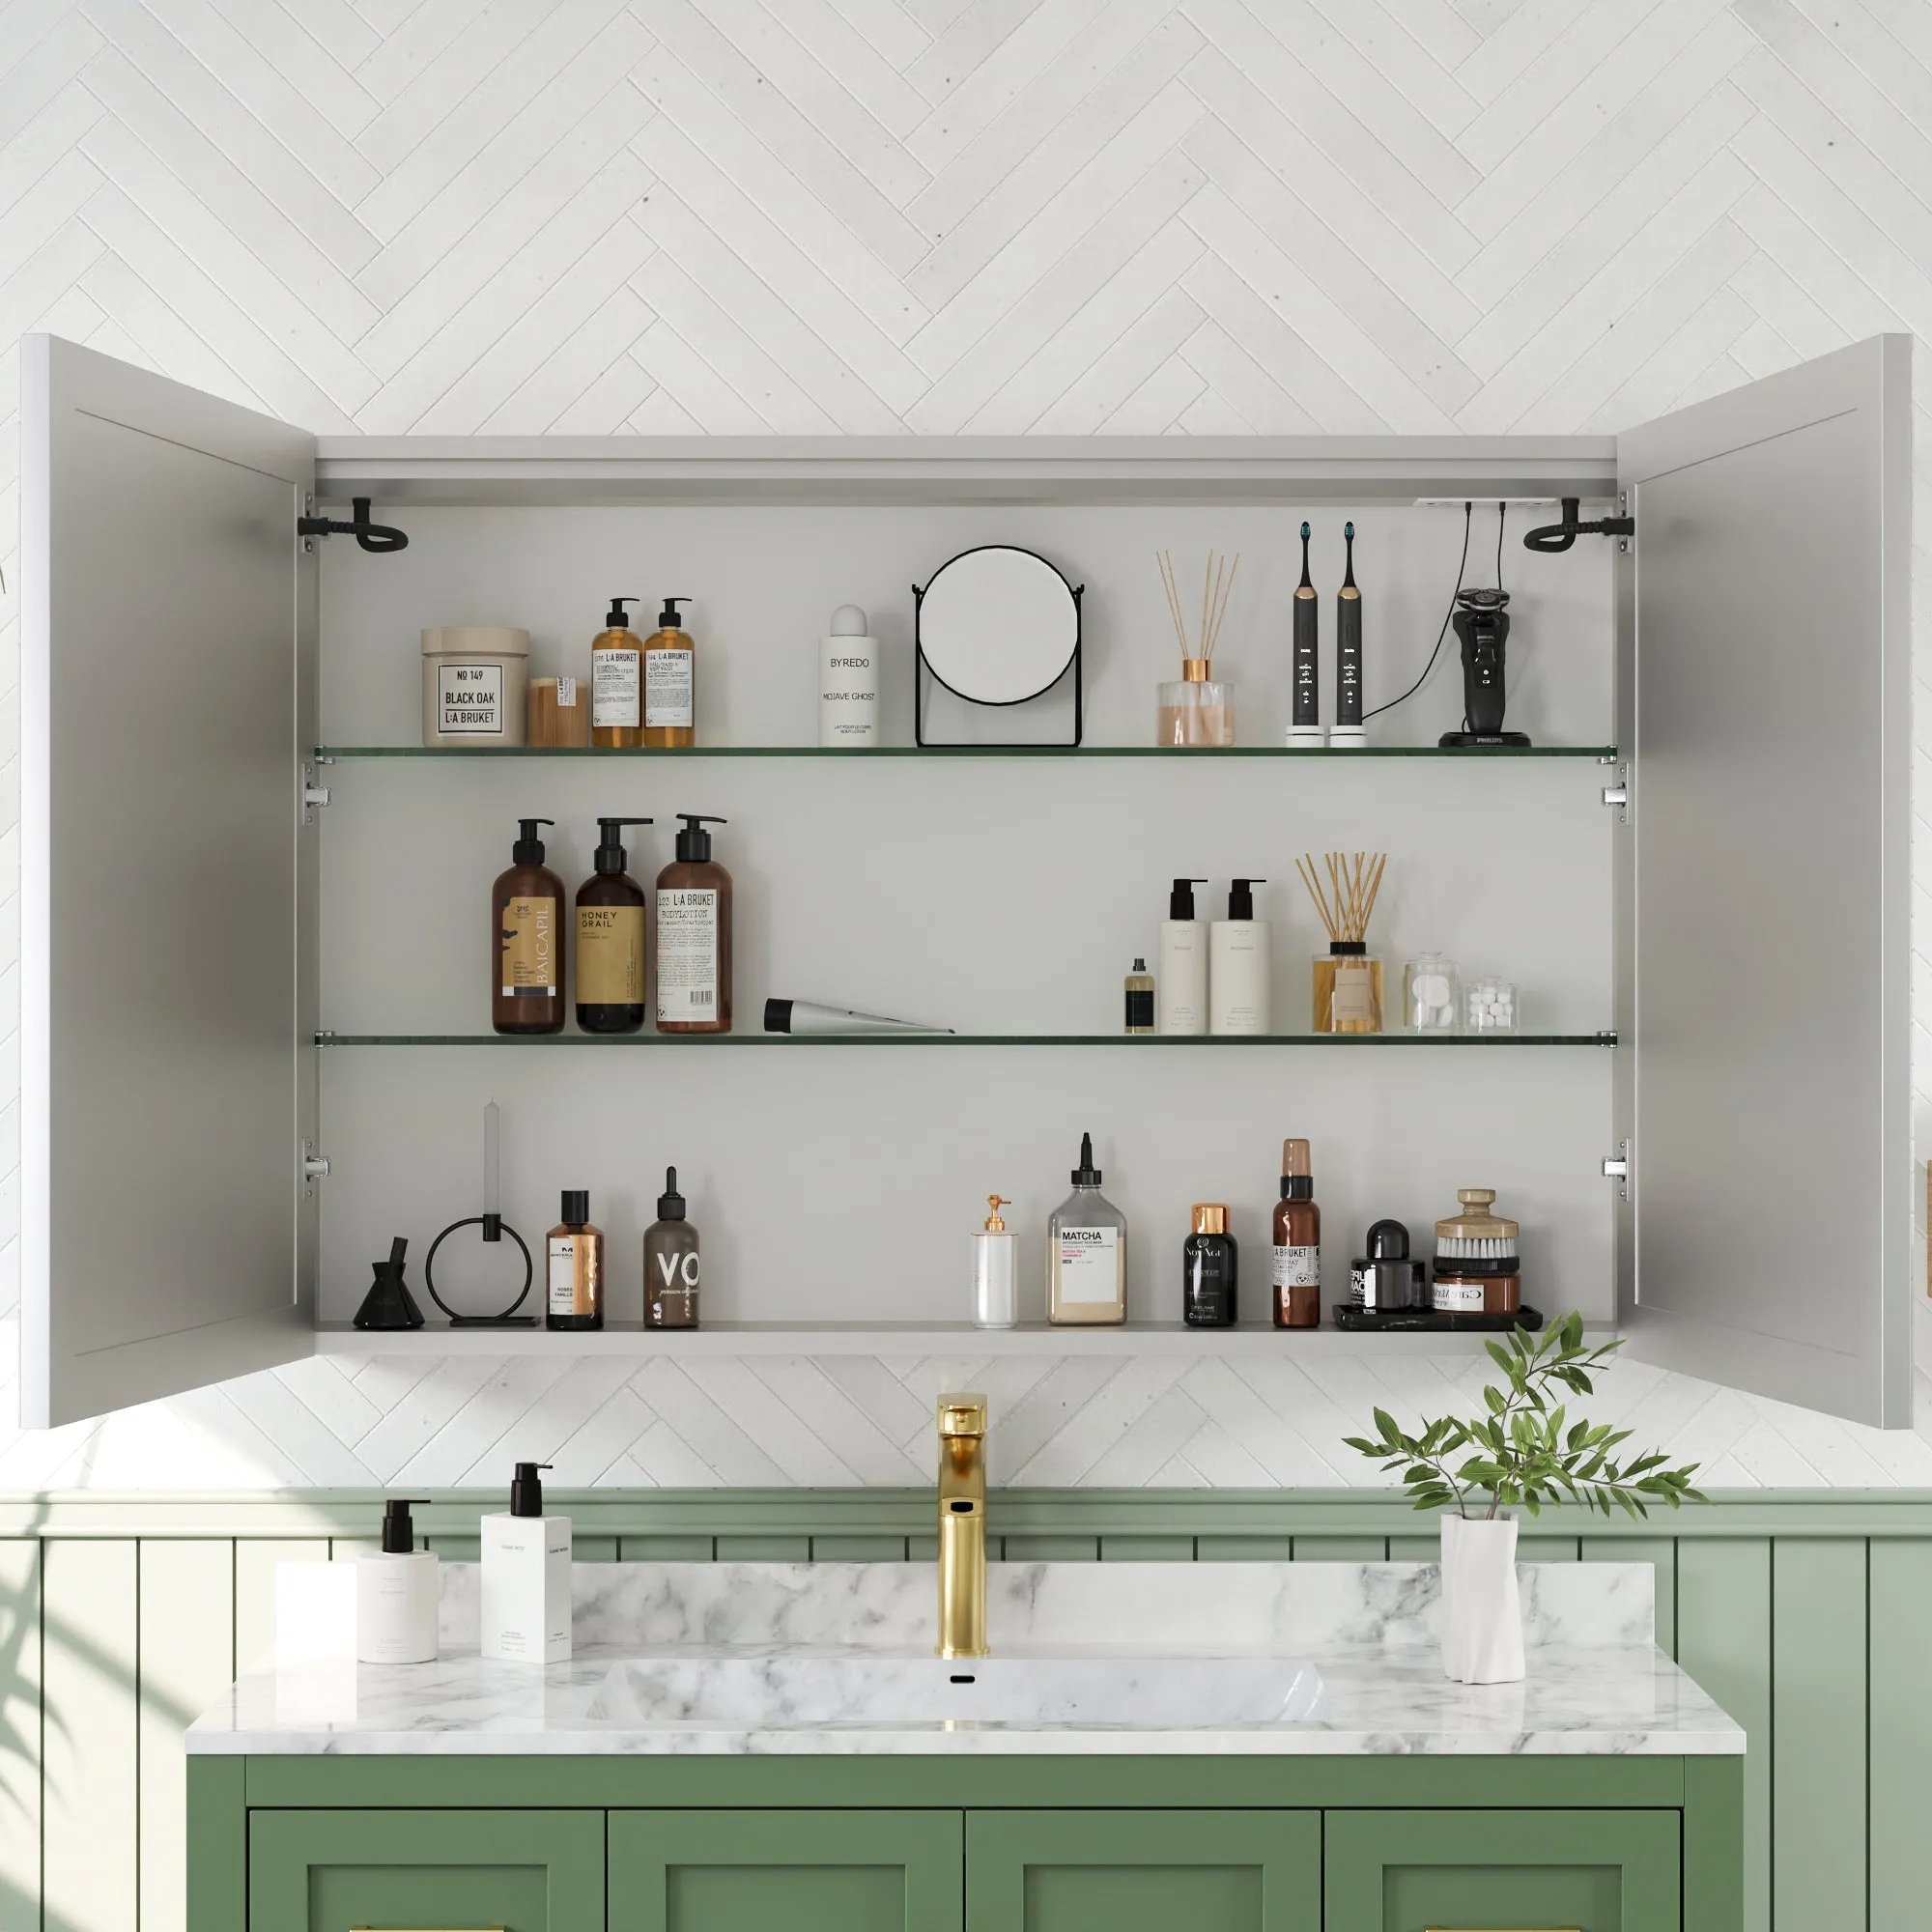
(1306, 724)
(1348, 653)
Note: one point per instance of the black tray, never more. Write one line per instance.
(1364, 1319)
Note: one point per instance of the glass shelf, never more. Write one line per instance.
(958, 1039)
(1602, 754)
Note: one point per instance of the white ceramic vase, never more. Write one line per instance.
(1482, 1613)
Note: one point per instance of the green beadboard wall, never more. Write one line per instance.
(1804, 1612)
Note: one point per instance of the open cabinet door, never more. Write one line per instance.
(1764, 887)
(166, 685)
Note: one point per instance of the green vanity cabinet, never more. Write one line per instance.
(1415, 1871)
(801, 1871)
(1101, 1871)
(332, 1871)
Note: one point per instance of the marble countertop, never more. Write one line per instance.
(762, 1659)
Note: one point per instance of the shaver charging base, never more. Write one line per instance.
(1475, 741)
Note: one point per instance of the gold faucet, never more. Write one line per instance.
(962, 1525)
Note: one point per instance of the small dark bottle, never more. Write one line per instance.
(1208, 1259)
(574, 1278)
(527, 947)
(1297, 1243)
(610, 938)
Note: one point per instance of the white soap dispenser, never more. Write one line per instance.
(1181, 980)
(995, 1270)
(1239, 963)
(396, 1594)
(526, 1577)
(848, 683)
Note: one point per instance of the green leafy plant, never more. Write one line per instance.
(1526, 1450)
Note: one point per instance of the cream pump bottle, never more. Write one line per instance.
(396, 1594)
(1087, 1252)
(1180, 977)
(1239, 965)
(526, 1577)
(995, 1270)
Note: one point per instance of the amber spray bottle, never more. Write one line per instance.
(1296, 1261)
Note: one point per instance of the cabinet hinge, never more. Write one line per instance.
(307, 513)
(314, 1168)
(1618, 1167)
(1619, 795)
(313, 795)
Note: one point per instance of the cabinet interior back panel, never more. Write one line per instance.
(986, 895)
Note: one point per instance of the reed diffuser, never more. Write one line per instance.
(1198, 709)
(1348, 979)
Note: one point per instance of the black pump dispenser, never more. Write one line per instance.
(528, 850)
(1181, 901)
(610, 855)
(670, 1203)
(617, 618)
(1085, 1175)
(526, 1489)
(668, 617)
(399, 1532)
(693, 842)
(1241, 898)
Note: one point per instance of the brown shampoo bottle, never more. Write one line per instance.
(527, 939)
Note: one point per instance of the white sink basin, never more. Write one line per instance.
(780, 1692)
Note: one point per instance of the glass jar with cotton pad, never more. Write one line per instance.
(1432, 995)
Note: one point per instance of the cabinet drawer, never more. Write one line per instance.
(1103, 1871)
(1471, 1871)
(408, 1871)
(796, 1871)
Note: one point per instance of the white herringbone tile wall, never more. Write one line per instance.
(940, 215)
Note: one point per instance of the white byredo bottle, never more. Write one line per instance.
(396, 1594)
(1240, 958)
(848, 683)
(1180, 980)
(526, 1577)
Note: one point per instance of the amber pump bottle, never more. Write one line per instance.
(1296, 1261)
(670, 682)
(616, 683)
(574, 1278)
(526, 944)
(695, 935)
(610, 938)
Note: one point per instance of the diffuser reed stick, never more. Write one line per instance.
(1348, 982)
(1196, 710)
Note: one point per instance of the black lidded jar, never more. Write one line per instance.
(1208, 1265)
(1387, 1278)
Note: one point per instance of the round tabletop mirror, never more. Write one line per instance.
(998, 625)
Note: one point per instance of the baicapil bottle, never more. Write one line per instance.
(527, 943)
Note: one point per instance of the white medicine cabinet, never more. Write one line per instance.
(255, 1015)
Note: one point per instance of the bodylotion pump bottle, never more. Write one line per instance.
(526, 946)
(396, 1594)
(695, 935)
(1087, 1252)
(670, 682)
(1180, 978)
(1239, 962)
(616, 683)
(526, 1577)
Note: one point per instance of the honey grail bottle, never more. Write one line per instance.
(527, 939)
(610, 938)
